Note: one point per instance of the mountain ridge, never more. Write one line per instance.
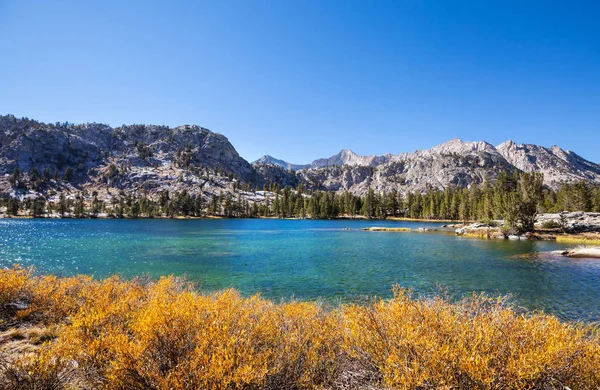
(152, 159)
(343, 157)
(516, 154)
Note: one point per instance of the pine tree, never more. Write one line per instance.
(12, 207)
(46, 174)
(95, 205)
(37, 207)
(68, 176)
(530, 191)
(596, 200)
(79, 209)
(15, 178)
(63, 207)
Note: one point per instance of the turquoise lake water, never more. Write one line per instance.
(307, 259)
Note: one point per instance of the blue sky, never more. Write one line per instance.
(303, 79)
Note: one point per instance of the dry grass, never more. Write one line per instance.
(582, 238)
(118, 334)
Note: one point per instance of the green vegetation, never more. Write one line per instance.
(68, 176)
(515, 198)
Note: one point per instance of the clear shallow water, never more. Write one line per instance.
(308, 259)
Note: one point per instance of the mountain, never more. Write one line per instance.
(266, 159)
(453, 163)
(344, 157)
(66, 159)
(557, 165)
(136, 158)
(348, 157)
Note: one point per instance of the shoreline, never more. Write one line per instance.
(474, 230)
(495, 233)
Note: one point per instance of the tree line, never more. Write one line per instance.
(515, 198)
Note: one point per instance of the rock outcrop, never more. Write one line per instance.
(581, 252)
(572, 222)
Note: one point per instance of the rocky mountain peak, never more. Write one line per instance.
(270, 160)
(507, 145)
(348, 157)
(459, 146)
(557, 165)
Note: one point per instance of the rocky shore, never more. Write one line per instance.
(547, 226)
(569, 228)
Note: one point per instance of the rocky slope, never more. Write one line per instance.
(557, 165)
(150, 159)
(453, 163)
(137, 158)
(348, 157)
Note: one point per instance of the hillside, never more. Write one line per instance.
(149, 160)
(138, 159)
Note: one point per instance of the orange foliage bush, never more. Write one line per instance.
(169, 337)
(120, 334)
(13, 284)
(477, 344)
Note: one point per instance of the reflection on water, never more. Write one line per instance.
(308, 259)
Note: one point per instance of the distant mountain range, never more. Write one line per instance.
(460, 163)
(344, 157)
(150, 159)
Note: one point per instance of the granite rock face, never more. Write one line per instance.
(26, 143)
(453, 163)
(150, 159)
(137, 158)
(557, 165)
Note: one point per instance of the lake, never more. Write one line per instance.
(306, 259)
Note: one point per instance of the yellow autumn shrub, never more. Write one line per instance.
(477, 344)
(53, 299)
(40, 370)
(168, 338)
(127, 334)
(13, 283)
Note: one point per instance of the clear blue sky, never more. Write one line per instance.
(302, 79)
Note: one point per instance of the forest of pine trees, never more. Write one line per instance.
(515, 198)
